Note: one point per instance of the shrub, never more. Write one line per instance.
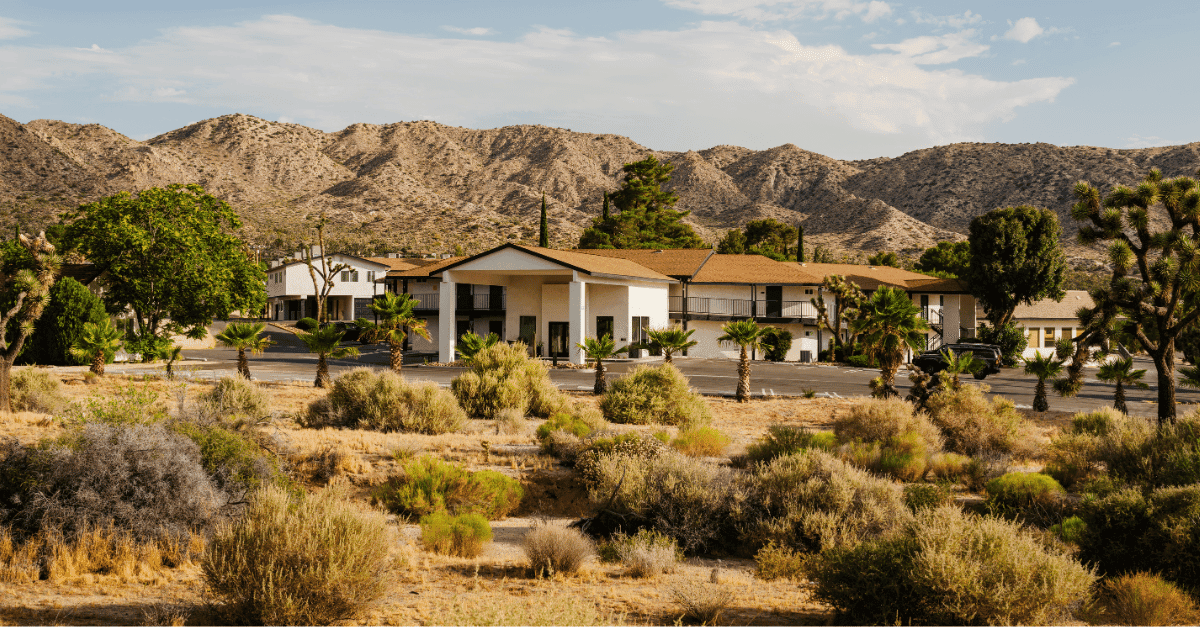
(903, 457)
(783, 440)
(1128, 532)
(37, 391)
(658, 394)
(1070, 530)
(812, 501)
(861, 361)
(307, 324)
(143, 479)
(1131, 449)
(502, 377)
(580, 426)
(462, 535)
(235, 461)
(298, 560)
(556, 549)
(918, 496)
(776, 343)
(780, 562)
(646, 553)
(384, 401)
(633, 445)
(948, 466)
(1028, 496)
(128, 407)
(236, 397)
(973, 425)
(429, 485)
(878, 420)
(1099, 422)
(701, 602)
(1145, 599)
(952, 568)
(701, 442)
(61, 324)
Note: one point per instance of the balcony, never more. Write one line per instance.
(464, 304)
(699, 306)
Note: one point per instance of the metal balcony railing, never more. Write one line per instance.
(425, 301)
(743, 307)
(474, 302)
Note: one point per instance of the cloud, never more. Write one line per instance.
(95, 48)
(715, 82)
(1148, 141)
(10, 30)
(478, 30)
(771, 10)
(937, 50)
(1113, 44)
(953, 21)
(1024, 30)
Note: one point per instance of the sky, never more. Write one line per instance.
(852, 79)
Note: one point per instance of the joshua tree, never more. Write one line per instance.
(847, 299)
(244, 336)
(395, 315)
(326, 343)
(670, 340)
(1120, 372)
(95, 343)
(1043, 368)
(748, 335)
(599, 349)
(889, 324)
(25, 277)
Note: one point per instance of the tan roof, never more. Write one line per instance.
(1049, 309)
(673, 262)
(588, 264)
(423, 271)
(753, 269)
(395, 263)
(870, 278)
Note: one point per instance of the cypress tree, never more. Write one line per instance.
(800, 243)
(544, 235)
(61, 325)
(604, 215)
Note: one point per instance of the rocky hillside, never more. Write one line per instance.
(429, 187)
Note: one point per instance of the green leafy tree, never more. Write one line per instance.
(1120, 372)
(597, 350)
(71, 305)
(886, 258)
(396, 320)
(947, 259)
(471, 343)
(669, 341)
(890, 324)
(1042, 367)
(1010, 338)
(822, 255)
(749, 336)
(1015, 258)
(776, 344)
(28, 268)
(645, 217)
(171, 257)
(544, 226)
(848, 297)
(244, 336)
(734, 243)
(1155, 267)
(326, 342)
(770, 238)
(95, 343)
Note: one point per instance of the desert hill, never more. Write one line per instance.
(429, 187)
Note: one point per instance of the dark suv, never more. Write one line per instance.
(932, 361)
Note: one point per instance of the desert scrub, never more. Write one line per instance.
(904, 457)
(385, 401)
(918, 496)
(780, 562)
(951, 568)
(428, 485)
(878, 420)
(1031, 497)
(461, 535)
(972, 425)
(1132, 451)
(234, 399)
(562, 435)
(702, 603)
(503, 376)
(1129, 532)
(298, 560)
(233, 458)
(947, 466)
(654, 395)
(783, 440)
(647, 553)
(128, 406)
(700, 442)
(1143, 599)
(551, 549)
(632, 445)
(812, 501)
(36, 390)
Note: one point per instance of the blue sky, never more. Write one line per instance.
(846, 78)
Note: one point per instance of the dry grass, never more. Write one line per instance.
(96, 552)
(702, 602)
(552, 549)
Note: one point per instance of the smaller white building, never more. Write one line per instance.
(1047, 321)
(291, 294)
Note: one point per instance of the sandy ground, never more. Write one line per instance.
(427, 587)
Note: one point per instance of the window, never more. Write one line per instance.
(1078, 332)
(808, 292)
(1048, 337)
(370, 276)
(345, 276)
(349, 276)
(604, 326)
(1031, 336)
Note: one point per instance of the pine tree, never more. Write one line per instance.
(544, 235)
(645, 217)
(800, 243)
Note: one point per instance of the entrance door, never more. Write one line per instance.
(639, 326)
(461, 328)
(604, 326)
(559, 334)
(527, 331)
(463, 299)
(497, 327)
(774, 301)
(495, 297)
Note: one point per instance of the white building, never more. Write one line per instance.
(1047, 321)
(291, 294)
(552, 299)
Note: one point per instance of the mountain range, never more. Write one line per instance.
(428, 187)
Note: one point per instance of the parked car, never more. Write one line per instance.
(933, 361)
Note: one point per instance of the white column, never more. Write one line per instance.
(951, 320)
(576, 305)
(446, 318)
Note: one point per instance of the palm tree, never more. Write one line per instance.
(960, 363)
(1120, 371)
(1043, 368)
(599, 349)
(670, 340)
(748, 335)
(470, 343)
(170, 354)
(395, 313)
(326, 343)
(95, 344)
(889, 324)
(244, 336)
